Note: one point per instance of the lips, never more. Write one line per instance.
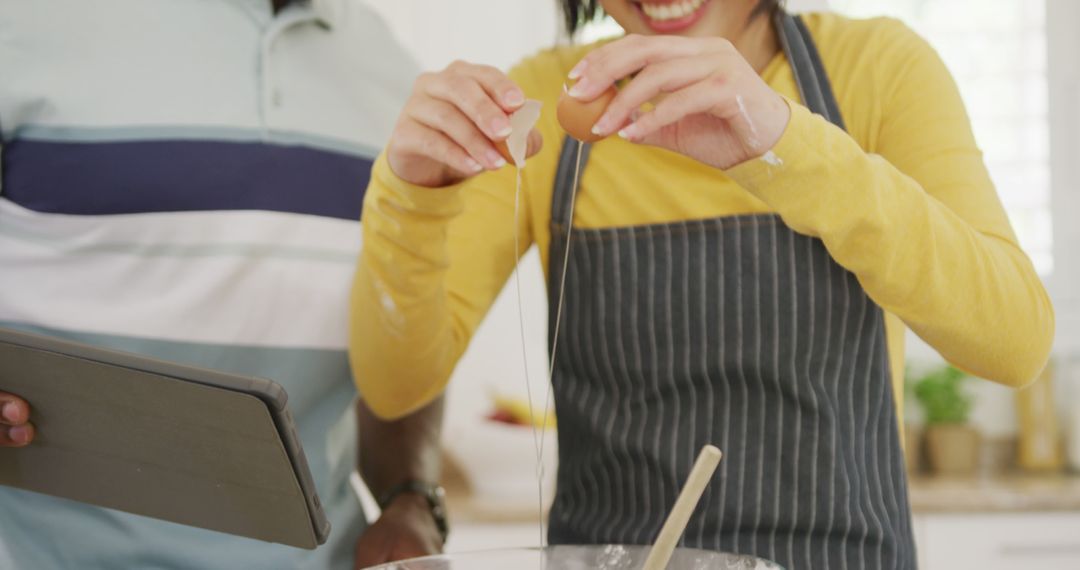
(671, 17)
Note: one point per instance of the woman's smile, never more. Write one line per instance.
(671, 16)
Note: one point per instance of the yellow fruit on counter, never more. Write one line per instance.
(518, 409)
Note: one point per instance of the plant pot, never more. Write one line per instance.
(913, 448)
(953, 449)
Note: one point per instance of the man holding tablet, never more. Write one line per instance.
(184, 180)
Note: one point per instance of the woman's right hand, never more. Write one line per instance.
(448, 128)
(15, 427)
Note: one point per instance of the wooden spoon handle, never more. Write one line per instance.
(684, 507)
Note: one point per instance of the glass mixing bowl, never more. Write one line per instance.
(601, 557)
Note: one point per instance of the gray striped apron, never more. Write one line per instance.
(734, 331)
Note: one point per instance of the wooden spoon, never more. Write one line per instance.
(684, 507)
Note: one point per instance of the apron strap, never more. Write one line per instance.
(802, 53)
(564, 177)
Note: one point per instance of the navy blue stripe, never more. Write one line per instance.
(97, 178)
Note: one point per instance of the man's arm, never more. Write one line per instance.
(392, 453)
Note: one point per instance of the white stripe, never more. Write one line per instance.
(843, 456)
(692, 439)
(856, 461)
(892, 489)
(870, 437)
(796, 288)
(815, 461)
(710, 398)
(586, 502)
(740, 492)
(725, 381)
(880, 418)
(184, 289)
(836, 463)
(635, 295)
(760, 388)
(602, 499)
(619, 492)
(669, 351)
(779, 389)
(570, 387)
(142, 233)
(655, 369)
(622, 520)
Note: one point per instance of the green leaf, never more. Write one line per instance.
(941, 396)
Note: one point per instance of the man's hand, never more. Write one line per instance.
(406, 529)
(15, 427)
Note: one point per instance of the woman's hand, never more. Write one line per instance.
(446, 131)
(710, 104)
(15, 427)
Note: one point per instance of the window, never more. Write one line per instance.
(996, 50)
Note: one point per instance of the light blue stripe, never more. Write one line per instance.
(169, 132)
(175, 250)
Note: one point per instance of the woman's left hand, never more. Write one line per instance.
(710, 104)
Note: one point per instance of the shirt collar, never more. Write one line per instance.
(326, 10)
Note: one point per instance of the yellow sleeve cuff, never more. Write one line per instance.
(439, 202)
(796, 156)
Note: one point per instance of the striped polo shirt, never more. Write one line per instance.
(184, 179)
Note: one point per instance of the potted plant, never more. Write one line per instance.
(952, 445)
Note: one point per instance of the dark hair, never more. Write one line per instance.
(577, 13)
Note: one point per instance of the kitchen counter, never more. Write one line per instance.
(1012, 493)
(1007, 493)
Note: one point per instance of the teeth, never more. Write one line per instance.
(675, 11)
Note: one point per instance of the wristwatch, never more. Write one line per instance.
(431, 492)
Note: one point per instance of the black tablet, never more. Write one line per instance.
(178, 443)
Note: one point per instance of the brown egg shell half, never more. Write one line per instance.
(578, 117)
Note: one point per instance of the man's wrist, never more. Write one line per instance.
(419, 494)
(408, 501)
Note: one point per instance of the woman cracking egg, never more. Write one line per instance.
(771, 202)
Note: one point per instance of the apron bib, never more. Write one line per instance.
(738, 332)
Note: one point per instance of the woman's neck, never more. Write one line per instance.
(758, 42)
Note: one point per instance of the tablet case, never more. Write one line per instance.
(173, 442)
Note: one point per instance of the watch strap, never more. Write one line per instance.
(434, 494)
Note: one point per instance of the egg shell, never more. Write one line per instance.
(578, 117)
(504, 150)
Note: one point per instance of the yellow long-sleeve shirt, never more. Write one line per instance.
(902, 200)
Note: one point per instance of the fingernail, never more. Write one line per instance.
(472, 166)
(629, 132)
(514, 98)
(501, 127)
(577, 70)
(496, 159)
(601, 127)
(11, 412)
(579, 88)
(19, 434)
